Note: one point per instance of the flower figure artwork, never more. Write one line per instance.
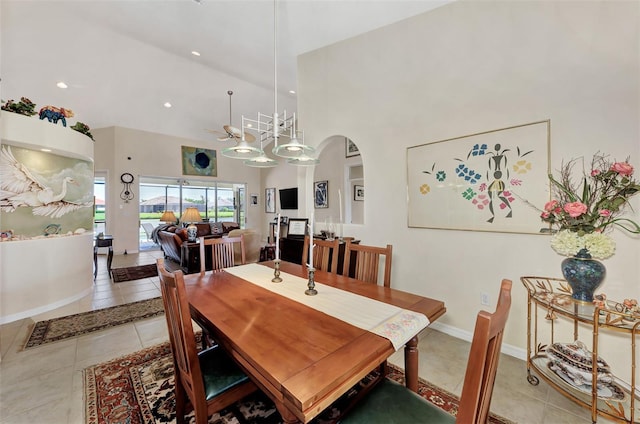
(479, 181)
(487, 187)
(585, 206)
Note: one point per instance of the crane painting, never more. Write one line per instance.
(46, 193)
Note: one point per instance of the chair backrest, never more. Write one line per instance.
(366, 262)
(181, 336)
(148, 229)
(483, 360)
(325, 254)
(222, 252)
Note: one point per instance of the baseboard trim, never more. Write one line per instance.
(507, 349)
(45, 308)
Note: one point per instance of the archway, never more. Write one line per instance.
(342, 169)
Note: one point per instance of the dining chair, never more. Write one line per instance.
(205, 381)
(392, 402)
(366, 262)
(323, 250)
(222, 252)
(223, 255)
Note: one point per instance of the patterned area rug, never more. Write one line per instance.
(87, 322)
(134, 273)
(138, 389)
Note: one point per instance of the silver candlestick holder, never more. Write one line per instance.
(311, 291)
(276, 272)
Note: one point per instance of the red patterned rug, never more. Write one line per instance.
(138, 389)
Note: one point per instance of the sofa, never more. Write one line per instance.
(175, 245)
(252, 245)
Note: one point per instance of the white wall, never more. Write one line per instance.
(120, 150)
(42, 274)
(465, 68)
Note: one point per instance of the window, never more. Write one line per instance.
(99, 201)
(216, 201)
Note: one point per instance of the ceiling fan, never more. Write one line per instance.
(231, 132)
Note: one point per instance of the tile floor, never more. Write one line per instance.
(45, 385)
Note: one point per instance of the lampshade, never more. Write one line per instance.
(191, 215)
(241, 151)
(168, 216)
(303, 160)
(261, 161)
(293, 149)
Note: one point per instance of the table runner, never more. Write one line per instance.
(389, 321)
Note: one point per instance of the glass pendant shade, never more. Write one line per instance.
(241, 151)
(293, 149)
(261, 161)
(303, 160)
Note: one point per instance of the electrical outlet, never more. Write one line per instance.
(484, 298)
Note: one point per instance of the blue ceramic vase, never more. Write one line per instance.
(583, 274)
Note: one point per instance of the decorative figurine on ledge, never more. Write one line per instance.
(23, 107)
(82, 128)
(54, 114)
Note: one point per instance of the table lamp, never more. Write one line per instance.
(168, 217)
(190, 216)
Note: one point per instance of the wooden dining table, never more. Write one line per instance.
(303, 359)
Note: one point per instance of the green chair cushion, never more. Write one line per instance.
(392, 403)
(219, 372)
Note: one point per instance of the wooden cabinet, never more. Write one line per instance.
(552, 317)
(291, 250)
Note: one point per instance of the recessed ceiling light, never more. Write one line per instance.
(292, 91)
(167, 104)
(250, 125)
(61, 84)
(195, 53)
(45, 150)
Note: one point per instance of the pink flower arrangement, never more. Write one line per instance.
(595, 200)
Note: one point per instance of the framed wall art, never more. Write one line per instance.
(253, 199)
(270, 200)
(321, 194)
(358, 193)
(350, 148)
(297, 227)
(490, 181)
(198, 161)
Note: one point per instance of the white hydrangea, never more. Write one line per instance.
(569, 243)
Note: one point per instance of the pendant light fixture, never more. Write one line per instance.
(242, 150)
(262, 161)
(274, 127)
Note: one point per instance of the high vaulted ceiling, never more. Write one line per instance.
(122, 60)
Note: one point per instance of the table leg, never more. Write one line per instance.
(109, 260)
(95, 261)
(411, 364)
(287, 416)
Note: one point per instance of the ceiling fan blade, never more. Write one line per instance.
(214, 131)
(223, 136)
(232, 131)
